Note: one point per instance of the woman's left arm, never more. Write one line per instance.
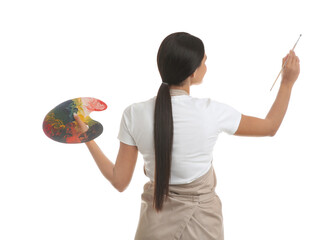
(120, 173)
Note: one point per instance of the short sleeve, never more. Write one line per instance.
(228, 118)
(124, 134)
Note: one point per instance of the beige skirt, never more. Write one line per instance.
(192, 211)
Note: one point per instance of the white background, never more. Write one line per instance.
(52, 51)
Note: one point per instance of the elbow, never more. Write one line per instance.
(273, 132)
(272, 128)
(119, 187)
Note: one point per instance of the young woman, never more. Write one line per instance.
(176, 133)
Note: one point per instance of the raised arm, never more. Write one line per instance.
(257, 127)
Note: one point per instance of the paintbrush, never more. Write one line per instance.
(285, 63)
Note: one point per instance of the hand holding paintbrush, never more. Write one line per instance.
(290, 69)
(292, 63)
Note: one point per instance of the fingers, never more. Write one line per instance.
(292, 58)
(295, 59)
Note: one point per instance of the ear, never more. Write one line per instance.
(194, 74)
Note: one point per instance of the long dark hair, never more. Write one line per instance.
(179, 55)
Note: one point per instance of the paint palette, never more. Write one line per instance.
(59, 123)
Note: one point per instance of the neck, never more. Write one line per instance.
(177, 92)
(185, 87)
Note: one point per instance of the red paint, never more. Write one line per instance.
(96, 105)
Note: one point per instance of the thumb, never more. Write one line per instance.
(81, 124)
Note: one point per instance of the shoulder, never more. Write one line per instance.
(138, 107)
(215, 108)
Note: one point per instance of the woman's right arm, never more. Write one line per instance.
(256, 127)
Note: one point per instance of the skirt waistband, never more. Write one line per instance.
(201, 189)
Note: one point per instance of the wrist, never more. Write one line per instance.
(90, 143)
(287, 84)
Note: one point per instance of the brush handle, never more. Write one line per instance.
(278, 75)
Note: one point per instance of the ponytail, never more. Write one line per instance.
(179, 55)
(163, 142)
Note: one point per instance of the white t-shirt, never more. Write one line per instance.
(197, 124)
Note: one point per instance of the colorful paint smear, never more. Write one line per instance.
(59, 123)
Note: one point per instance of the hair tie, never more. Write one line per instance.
(165, 83)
